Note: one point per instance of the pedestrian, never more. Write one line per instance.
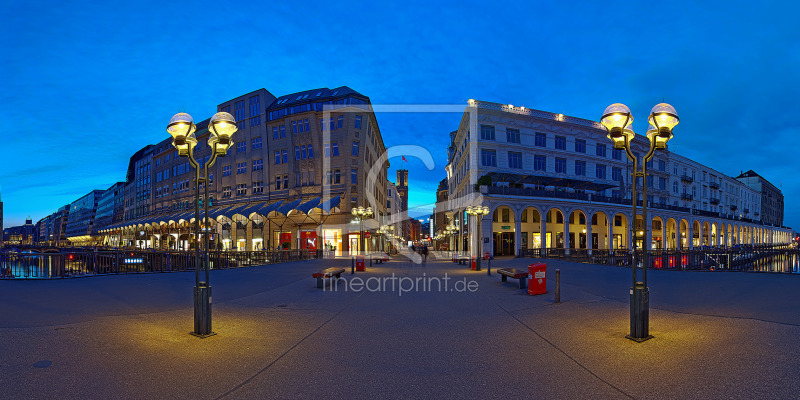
(424, 254)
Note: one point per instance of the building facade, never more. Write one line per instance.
(80, 228)
(20, 235)
(554, 181)
(313, 155)
(771, 197)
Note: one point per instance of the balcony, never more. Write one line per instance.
(733, 207)
(714, 185)
(686, 196)
(687, 178)
(713, 200)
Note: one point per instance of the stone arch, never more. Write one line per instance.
(601, 224)
(671, 234)
(578, 229)
(621, 236)
(554, 228)
(531, 228)
(657, 231)
(503, 230)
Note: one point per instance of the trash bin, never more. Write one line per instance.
(474, 265)
(537, 279)
(360, 263)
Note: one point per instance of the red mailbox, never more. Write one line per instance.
(360, 263)
(486, 255)
(474, 265)
(537, 279)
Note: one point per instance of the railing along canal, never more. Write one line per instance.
(87, 263)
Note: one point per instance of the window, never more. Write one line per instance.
(277, 157)
(255, 121)
(539, 163)
(561, 142)
(275, 134)
(258, 165)
(241, 189)
(239, 114)
(277, 182)
(241, 167)
(616, 154)
(294, 126)
(650, 180)
(306, 125)
(580, 146)
(512, 135)
(662, 183)
(355, 148)
(226, 191)
(226, 170)
(514, 159)
(675, 187)
(354, 176)
(358, 122)
(284, 156)
(662, 165)
(296, 152)
(335, 149)
(600, 150)
(339, 122)
(580, 168)
(286, 181)
(256, 143)
(541, 140)
(337, 176)
(241, 147)
(600, 171)
(303, 153)
(310, 152)
(258, 187)
(487, 132)
(561, 165)
(488, 158)
(283, 131)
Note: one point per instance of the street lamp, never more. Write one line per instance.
(221, 127)
(360, 213)
(617, 120)
(478, 212)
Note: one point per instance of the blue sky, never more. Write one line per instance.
(87, 84)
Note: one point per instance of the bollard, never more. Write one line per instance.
(558, 286)
(489, 266)
(352, 265)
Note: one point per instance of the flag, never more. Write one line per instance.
(404, 158)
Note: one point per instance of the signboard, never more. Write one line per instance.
(367, 235)
(505, 227)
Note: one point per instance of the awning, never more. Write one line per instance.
(307, 206)
(216, 213)
(554, 181)
(288, 207)
(326, 206)
(265, 209)
(236, 210)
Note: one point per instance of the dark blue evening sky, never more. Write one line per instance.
(86, 84)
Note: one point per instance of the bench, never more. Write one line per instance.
(462, 259)
(327, 274)
(506, 273)
(381, 258)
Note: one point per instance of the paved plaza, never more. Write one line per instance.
(717, 335)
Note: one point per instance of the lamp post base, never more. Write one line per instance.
(640, 313)
(202, 311)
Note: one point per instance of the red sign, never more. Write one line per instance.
(367, 235)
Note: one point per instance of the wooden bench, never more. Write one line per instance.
(506, 273)
(381, 258)
(462, 259)
(327, 274)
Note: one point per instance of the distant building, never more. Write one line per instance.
(440, 211)
(110, 210)
(1, 221)
(20, 235)
(771, 197)
(80, 228)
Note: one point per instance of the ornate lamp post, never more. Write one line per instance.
(221, 127)
(617, 120)
(360, 213)
(478, 212)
